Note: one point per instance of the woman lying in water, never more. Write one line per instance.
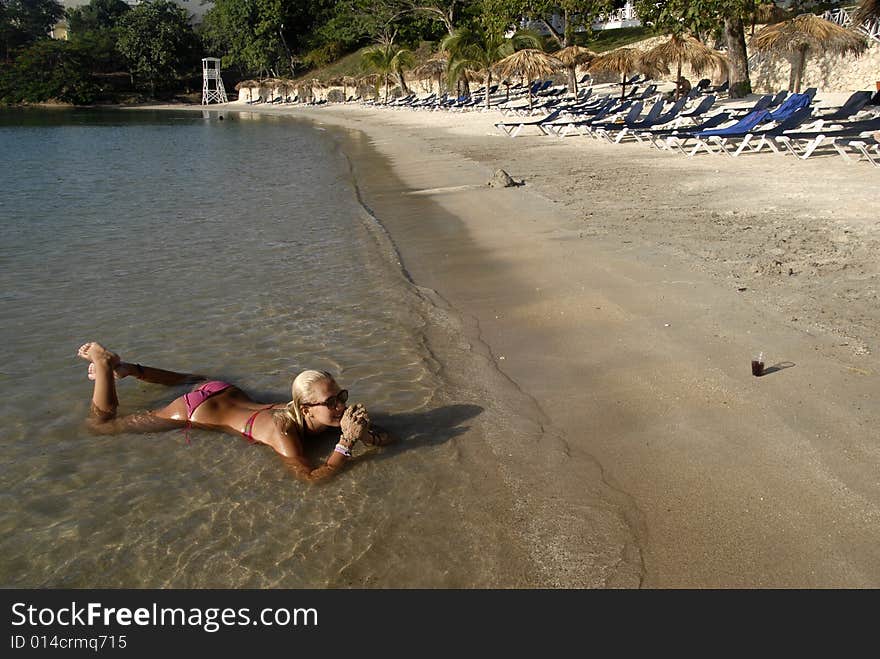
(318, 404)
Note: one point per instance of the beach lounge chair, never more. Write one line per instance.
(741, 127)
(745, 129)
(853, 104)
(779, 98)
(658, 136)
(699, 109)
(572, 124)
(513, 128)
(754, 141)
(597, 128)
(869, 148)
(803, 144)
(660, 119)
(761, 104)
(613, 113)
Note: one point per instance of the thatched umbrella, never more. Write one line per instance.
(678, 50)
(868, 9)
(370, 81)
(436, 66)
(767, 13)
(284, 87)
(803, 33)
(271, 84)
(348, 81)
(315, 84)
(624, 61)
(246, 84)
(530, 64)
(571, 56)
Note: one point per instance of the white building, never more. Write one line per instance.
(624, 17)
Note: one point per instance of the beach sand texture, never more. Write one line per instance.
(625, 290)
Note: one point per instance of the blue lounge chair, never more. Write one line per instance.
(652, 119)
(753, 139)
(741, 127)
(619, 111)
(658, 135)
(700, 109)
(853, 104)
(571, 124)
(761, 104)
(592, 128)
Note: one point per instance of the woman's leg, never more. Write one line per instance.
(104, 399)
(104, 368)
(149, 374)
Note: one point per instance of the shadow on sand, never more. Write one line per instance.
(779, 366)
(414, 430)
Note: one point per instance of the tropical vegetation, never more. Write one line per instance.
(152, 48)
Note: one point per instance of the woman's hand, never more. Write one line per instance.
(355, 423)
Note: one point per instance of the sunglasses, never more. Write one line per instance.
(331, 402)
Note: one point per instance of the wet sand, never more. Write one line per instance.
(625, 290)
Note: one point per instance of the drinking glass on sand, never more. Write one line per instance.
(758, 365)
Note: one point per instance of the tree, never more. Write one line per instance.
(93, 28)
(561, 18)
(703, 17)
(157, 41)
(266, 36)
(480, 47)
(96, 16)
(48, 69)
(386, 58)
(24, 21)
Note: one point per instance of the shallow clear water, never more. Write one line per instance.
(237, 249)
(241, 249)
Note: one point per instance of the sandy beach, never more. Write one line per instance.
(624, 290)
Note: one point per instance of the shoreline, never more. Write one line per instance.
(608, 289)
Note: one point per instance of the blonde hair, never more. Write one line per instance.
(291, 415)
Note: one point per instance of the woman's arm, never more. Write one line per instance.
(354, 426)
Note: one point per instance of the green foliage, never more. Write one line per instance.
(605, 40)
(387, 58)
(694, 16)
(23, 22)
(479, 47)
(575, 15)
(96, 16)
(156, 40)
(269, 36)
(93, 28)
(324, 55)
(49, 69)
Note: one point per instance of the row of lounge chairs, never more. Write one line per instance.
(781, 123)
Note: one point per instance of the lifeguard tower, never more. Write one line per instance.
(212, 83)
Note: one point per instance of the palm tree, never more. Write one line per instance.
(480, 48)
(386, 58)
(805, 33)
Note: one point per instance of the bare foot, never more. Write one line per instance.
(96, 353)
(121, 370)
